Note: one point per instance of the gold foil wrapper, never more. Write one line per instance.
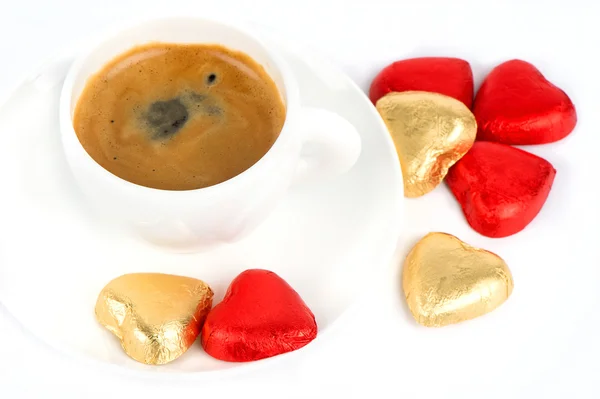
(157, 317)
(431, 133)
(447, 281)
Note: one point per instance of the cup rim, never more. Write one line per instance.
(70, 140)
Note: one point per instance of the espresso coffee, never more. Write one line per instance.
(179, 117)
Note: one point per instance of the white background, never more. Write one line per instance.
(361, 37)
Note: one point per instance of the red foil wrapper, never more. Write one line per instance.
(517, 105)
(260, 316)
(500, 188)
(449, 76)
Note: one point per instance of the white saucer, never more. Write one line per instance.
(326, 240)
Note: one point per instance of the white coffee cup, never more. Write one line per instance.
(313, 143)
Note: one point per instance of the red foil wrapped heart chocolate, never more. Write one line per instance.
(449, 76)
(260, 316)
(517, 105)
(500, 188)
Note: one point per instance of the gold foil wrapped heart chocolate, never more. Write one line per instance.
(157, 317)
(431, 133)
(447, 281)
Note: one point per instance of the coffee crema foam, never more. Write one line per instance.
(179, 116)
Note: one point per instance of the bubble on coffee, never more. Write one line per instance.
(211, 79)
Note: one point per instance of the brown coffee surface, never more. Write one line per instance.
(179, 116)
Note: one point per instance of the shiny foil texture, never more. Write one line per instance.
(452, 77)
(500, 188)
(517, 105)
(260, 316)
(431, 132)
(157, 317)
(447, 281)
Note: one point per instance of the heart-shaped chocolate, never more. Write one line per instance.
(500, 188)
(260, 316)
(157, 317)
(517, 105)
(431, 132)
(447, 281)
(449, 76)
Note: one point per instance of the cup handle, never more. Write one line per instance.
(330, 145)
